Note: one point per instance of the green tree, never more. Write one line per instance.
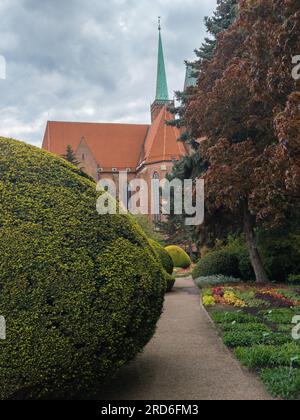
(149, 229)
(70, 156)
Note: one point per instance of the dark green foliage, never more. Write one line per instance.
(166, 262)
(218, 262)
(163, 256)
(280, 316)
(70, 156)
(222, 18)
(294, 279)
(280, 249)
(81, 293)
(237, 247)
(244, 338)
(237, 317)
(282, 382)
(249, 327)
(170, 282)
(259, 356)
(148, 228)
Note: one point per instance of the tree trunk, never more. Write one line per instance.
(260, 273)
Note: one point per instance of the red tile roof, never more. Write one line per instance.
(162, 141)
(118, 146)
(113, 145)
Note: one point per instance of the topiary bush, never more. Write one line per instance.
(167, 263)
(179, 256)
(163, 256)
(81, 293)
(218, 262)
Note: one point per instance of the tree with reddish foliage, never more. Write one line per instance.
(246, 105)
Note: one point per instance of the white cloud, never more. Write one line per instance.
(90, 61)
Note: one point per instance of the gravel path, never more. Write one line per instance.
(186, 360)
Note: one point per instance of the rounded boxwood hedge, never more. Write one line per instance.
(166, 262)
(163, 255)
(179, 256)
(217, 262)
(81, 293)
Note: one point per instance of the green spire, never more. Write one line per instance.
(161, 83)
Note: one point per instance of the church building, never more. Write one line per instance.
(146, 151)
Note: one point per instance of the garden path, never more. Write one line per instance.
(186, 360)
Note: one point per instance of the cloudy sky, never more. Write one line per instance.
(92, 60)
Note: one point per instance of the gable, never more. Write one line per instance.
(112, 145)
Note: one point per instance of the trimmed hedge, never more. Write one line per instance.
(179, 256)
(163, 256)
(81, 293)
(167, 263)
(217, 263)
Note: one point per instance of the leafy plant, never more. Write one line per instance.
(259, 356)
(279, 316)
(241, 339)
(282, 382)
(217, 263)
(179, 256)
(208, 300)
(248, 327)
(237, 316)
(163, 256)
(81, 293)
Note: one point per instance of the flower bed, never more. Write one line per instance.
(258, 324)
(243, 296)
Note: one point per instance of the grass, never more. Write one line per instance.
(282, 382)
(233, 317)
(260, 356)
(244, 338)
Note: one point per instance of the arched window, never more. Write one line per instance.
(156, 197)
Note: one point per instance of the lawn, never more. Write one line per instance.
(259, 324)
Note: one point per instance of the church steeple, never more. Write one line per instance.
(162, 94)
(161, 81)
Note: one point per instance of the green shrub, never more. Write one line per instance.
(237, 247)
(171, 280)
(260, 356)
(217, 280)
(148, 228)
(251, 327)
(179, 256)
(218, 262)
(280, 316)
(81, 293)
(280, 249)
(294, 278)
(245, 339)
(236, 317)
(282, 382)
(163, 256)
